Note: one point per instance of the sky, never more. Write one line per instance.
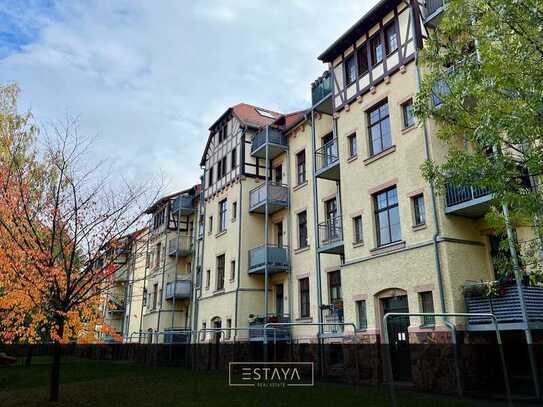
(147, 78)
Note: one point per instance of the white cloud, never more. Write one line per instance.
(150, 77)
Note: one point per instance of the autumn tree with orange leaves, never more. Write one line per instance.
(60, 212)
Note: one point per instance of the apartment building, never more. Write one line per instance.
(322, 216)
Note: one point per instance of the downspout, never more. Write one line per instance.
(176, 266)
(266, 232)
(437, 232)
(143, 300)
(238, 271)
(290, 245)
(164, 255)
(199, 258)
(315, 222)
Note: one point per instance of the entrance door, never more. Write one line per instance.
(398, 337)
(279, 300)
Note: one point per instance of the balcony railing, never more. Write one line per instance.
(321, 88)
(183, 245)
(279, 333)
(504, 303)
(433, 10)
(276, 142)
(274, 193)
(467, 200)
(183, 205)
(277, 259)
(331, 236)
(327, 161)
(180, 289)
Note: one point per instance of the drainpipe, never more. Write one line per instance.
(164, 251)
(145, 276)
(238, 271)
(437, 233)
(176, 266)
(316, 222)
(290, 245)
(266, 215)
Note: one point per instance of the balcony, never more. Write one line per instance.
(180, 290)
(279, 333)
(505, 305)
(434, 11)
(116, 307)
(181, 247)
(277, 259)
(334, 318)
(327, 161)
(276, 143)
(471, 202)
(331, 236)
(321, 90)
(276, 195)
(183, 205)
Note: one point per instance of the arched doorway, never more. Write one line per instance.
(216, 323)
(395, 300)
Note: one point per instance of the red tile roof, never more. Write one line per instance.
(253, 115)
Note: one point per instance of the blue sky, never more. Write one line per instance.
(147, 78)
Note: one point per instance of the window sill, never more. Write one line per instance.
(406, 130)
(427, 327)
(358, 244)
(221, 233)
(233, 220)
(388, 248)
(361, 330)
(219, 291)
(304, 319)
(300, 186)
(301, 249)
(351, 159)
(382, 154)
(416, 228)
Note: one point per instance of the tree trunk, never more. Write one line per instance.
(54, 381)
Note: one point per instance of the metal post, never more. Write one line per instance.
(441, 314)
(266, 214)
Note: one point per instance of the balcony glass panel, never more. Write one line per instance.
(277, 259)
(275, 193)
(321, 88)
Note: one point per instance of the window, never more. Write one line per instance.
(419, 215)
(201, 225)
(278, 174)
(144, 299)
(391, 37)
(350, 70)
(376, 50)
(362, 56)
(210, 225)
(223, 173)
(379, 128)
(387, 217)
(228, 333)
(302, 229)
(304, 297)
(357, 229)
(220, 272)
(219, 170)
(157, 257)
(204, 333)
(208, 278)
(427, 306)
(440, 89)
(300, 167)
(233, 158)
(155, 295)
(232, 270)
(408, 114)
(234, 210)
(160, 297)
(222, 215)
(353, 149)
(210, 177)
(334, 284)
(361, 317)
(198, 278)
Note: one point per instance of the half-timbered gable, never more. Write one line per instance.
(376, 47)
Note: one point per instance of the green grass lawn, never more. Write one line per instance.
(100, 383)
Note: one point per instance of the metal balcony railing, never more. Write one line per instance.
(181, 247)
(327, 161)
(504, 304)
(277, 259)
(456, 195)
(183, 204)
(330, 232)
(277, 142)
(274, 193)
(279, 333)
(321, 88)
(181, 289)
(433, 5)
